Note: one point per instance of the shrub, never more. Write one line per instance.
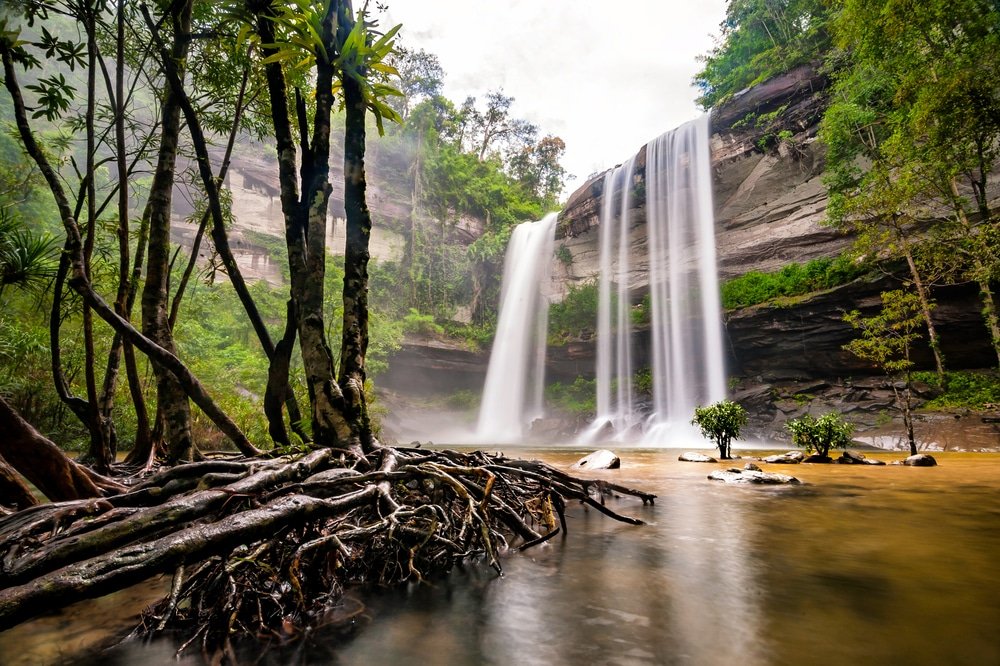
(818, 436)
(792, 280)
(721, 422)
(415, 322)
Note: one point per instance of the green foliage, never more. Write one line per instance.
(963, 389)
(464, 400)
(759, 39)
(721, 422)
(642, 382)
(564, 256)
(415, 322)
(642, 312)
(886, 341)
(575, 315)
(819, 435)
(888, 337)
(27, 260)
(578, 398)
(792, 280)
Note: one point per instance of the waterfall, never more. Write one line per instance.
(512, 396)
(686, 332)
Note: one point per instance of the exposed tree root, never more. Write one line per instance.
(265, 547)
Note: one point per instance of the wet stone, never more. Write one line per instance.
(853, 458)
(602, 459)
(789, 458)
(694, 456)
(920, 460)
(736, 475)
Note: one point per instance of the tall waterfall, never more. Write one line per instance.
(687, 361)
(512, 397)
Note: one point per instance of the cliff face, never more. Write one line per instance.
(770, 204)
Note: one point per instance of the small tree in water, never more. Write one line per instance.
(886, 340)
(721, 422)
(818, 436)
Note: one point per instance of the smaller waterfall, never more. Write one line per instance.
(512, 396)
(615, 398)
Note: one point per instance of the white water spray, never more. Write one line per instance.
(512, 397)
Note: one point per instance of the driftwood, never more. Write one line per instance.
(264, 547)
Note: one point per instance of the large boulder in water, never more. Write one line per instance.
(736, 475)
(787, 458)
(920, 460)
(602, 459)
(694, 456)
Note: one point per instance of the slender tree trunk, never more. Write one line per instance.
(354, 340)
(155, 294)
(925, 311)
(101, 439)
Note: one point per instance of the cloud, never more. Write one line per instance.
(606, 78)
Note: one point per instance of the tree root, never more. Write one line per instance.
(265, 547)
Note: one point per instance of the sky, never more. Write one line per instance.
(606, 77)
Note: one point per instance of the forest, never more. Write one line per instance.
(164, 414)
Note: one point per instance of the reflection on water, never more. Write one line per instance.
(889, 565)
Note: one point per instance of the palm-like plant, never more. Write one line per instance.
(27, 260)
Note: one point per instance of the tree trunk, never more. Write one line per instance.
(305, 231)
(354, 340)
(155, 293)
(925, 311)
(43, 463)
(14, 494)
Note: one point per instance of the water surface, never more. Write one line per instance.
(865, 565)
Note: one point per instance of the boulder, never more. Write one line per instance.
(816, 458)
(752, 467)
(788, 458)
(920, 460)
(852, 458)
(694, 456)
(736, 475)
(602, 459)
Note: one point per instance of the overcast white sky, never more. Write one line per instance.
(605, 76)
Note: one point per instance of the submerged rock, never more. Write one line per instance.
(736, 475)
(602, 459)
(752, 467)
(852, 458)
(920, 460)
(694, 456)
(789, 458)
(816, 458)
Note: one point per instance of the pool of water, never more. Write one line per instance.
(870, 565)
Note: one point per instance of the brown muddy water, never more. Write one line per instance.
(859, 565)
